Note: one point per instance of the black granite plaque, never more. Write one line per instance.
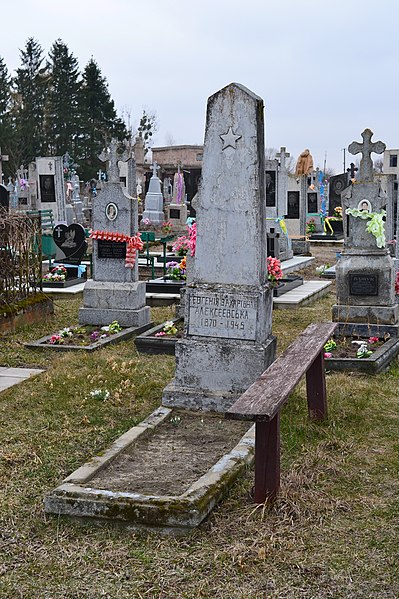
(293, 204)
(337, 185)
(111, 249)
(312, 202)
(174, 213)
(270, 188)
(363, 283)
(47, 188)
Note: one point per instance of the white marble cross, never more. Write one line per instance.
(366, 148)
(155, 167)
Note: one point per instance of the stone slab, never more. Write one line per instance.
(64, 292)
(103, 316)
(13, 376)
(296, 263)
(303, 295)
(174, 515)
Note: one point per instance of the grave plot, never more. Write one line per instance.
(164, 474)
(162, 338)
(227, 342)
(366, 306)
(86, 337)
(67, 268)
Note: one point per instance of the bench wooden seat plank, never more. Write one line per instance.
(265, 397)
(263, 401)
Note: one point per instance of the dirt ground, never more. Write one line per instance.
(179, 451)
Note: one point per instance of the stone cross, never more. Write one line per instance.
(282, 155)
(366, 148)
(352, 170)
(111, 155)
(155, 167)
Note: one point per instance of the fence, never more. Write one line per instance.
(20, 257)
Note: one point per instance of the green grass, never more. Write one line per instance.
(333, 531)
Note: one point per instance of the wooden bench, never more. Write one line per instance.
(262, 402)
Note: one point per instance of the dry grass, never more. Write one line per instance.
(331, 533)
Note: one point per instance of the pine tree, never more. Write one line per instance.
(99, 121)
(30, 85)
(62, 101)
(5, 105)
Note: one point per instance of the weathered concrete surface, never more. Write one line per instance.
(174, 515)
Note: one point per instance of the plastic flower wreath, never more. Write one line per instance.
(375, 226)
(274, 272)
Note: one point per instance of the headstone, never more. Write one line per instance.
(365, 272)
(51, 187)
(153, 204)
(115, 293)
(3, 158)
(337, 184)
(176, 211)
(276, 205)
(227, 342)
(71, 243)
(4, 198)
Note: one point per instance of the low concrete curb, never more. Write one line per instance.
(175, 515)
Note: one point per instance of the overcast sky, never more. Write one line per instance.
(325, 70)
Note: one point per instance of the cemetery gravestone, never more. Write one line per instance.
(176, 211)
(277, 237)
(153, 204)
(227, 342)
(365, 272)
(71, 246)
(115, 293)
(51, 187)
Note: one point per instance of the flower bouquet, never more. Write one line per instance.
(274, 272)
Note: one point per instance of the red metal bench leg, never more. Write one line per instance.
(267, 459)
(316, 389)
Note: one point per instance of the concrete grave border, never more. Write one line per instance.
(168, 514)
(124, 335)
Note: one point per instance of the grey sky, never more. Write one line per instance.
(326, 71)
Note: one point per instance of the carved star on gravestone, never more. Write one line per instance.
(366, 148)
(230, 139)
(111, 156)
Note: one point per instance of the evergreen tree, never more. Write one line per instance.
(62, 101)
(5, 105)
(30, 86)
(99, 121)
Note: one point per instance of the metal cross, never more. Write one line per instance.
(366, 148)
(352, 170)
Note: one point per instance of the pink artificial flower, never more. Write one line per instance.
(373, 340)
(160, 334)
(327, 354)
(192, 238)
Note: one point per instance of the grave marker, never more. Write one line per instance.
(228, 307)
(115, 293)
(365, 272)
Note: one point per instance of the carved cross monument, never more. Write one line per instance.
(366, 148)
(111, 156)
(364, 274)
